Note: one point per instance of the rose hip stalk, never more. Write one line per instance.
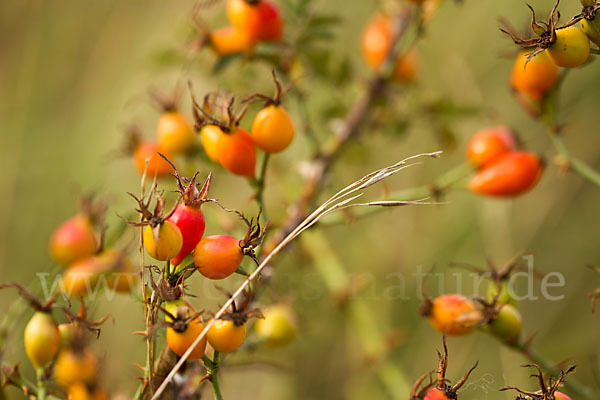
(187, 215)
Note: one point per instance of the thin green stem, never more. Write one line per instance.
(572, 386)
(167, 268)
(548, 117)
(578, 166)
(41, 384)
(260, 185)
(212, 369)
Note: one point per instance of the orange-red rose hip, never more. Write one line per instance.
(488, 144)
(218, 256)
(508, 175)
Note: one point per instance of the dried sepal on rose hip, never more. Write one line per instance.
(272, 129)
(567, 46)
(228, 332)
(441, 389)
(501, 320)
(498, 289)
(170, 286)
(188, 215)
(162, 238)
(450, 314)
(548, 390)
(225, 141)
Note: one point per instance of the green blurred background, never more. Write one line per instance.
(74, 74)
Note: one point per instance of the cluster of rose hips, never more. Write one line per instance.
(59, 351)
(496, 314)
(535, 72)
(222, 138)
(226, 143)
(503, 170)
(252, 22)
(179, 235)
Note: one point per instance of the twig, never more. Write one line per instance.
(343, 198)
(348, 131)
(149, 316)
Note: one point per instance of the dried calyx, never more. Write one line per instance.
(588, 12)
(240, 311)
(153, 218)
(217, 110)
(188, 188)
(80, 319)
(94, 210)
(172, 288)
(420, 391)
(276, 99)
(548, 389)
(254, 235)
(545, 32)
(498, 274)
(185, 315)
(166, 102)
